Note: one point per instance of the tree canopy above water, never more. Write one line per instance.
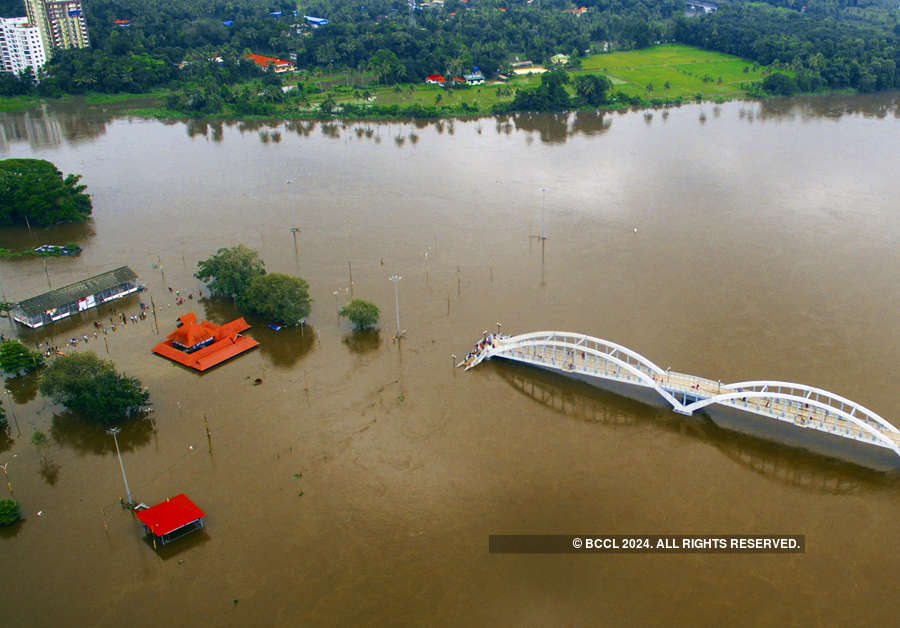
(33, 191)
(86, 384)
(229, 272)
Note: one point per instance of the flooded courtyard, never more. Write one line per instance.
(360, 480)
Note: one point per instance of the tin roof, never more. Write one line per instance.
(176, 512)
(78, 290)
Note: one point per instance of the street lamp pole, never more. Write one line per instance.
(396, 279)
(114, 431)
(543, 194)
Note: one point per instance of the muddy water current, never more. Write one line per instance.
(359, 481)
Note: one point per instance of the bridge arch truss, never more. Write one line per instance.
(805, 406)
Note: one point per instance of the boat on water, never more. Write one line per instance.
(793, 414)
(56, 249)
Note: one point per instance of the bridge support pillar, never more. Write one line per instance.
(682, 411)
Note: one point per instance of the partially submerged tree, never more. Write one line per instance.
(16, 358)
(86, 384)
(363, 314)
(9, 512)
(33, 191)
(40, 442)
(279, 297)
(229, 272)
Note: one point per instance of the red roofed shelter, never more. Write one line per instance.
(171, 519)
(278, 65)
(204, 345)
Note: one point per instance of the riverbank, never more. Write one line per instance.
(663, 75)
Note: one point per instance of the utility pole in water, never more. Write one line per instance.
(114, 431)
(396, 279)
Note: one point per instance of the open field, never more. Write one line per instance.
(689, 71)
(642, 73)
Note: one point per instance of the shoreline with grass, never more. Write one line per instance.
(666, 75)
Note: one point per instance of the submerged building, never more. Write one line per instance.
(76, 297)
(202, 345)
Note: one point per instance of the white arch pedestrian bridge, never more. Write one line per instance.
(593, 358)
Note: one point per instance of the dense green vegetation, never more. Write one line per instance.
(33, 191)
(10, 512)
(16, 358)
(363, 314)
(187, 47)
(86, 384)
(278, 297)
(229, 272)
(238, 273)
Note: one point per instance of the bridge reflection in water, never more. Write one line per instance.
(788, 413)
(780, 463)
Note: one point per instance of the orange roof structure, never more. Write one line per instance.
(202, 345)
(278, 65)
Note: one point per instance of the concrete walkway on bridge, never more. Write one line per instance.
(783, 401)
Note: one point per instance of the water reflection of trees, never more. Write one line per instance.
(363, 341)
(781, 463)
(282, 348)
(18, 238)
(218, 311)
(49, 470)
(48, 126)
(556, 128)
(880, 105)
(6, 440)
(286, 347)
(23, 388)
(88, 437)
(8, 532)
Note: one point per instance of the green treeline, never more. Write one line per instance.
(821, 52)
(34, 192)
(186, 45)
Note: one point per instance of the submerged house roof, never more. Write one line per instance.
(78, 290)
(172, 514)
(202, 345)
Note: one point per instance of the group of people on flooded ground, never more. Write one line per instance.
(115, 318)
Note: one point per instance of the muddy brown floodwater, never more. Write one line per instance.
(358, 484)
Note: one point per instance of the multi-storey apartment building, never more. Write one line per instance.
(20, 46)
(61, 23)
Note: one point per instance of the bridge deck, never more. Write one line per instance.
(573, 353)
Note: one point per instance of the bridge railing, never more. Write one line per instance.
(823, 410)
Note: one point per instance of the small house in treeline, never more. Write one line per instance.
(54, 305)
(274, 64)
(475, 78)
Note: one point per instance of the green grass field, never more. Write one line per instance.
(689, 71)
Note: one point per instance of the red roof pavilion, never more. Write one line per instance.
(171, 516)
(201, 345)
